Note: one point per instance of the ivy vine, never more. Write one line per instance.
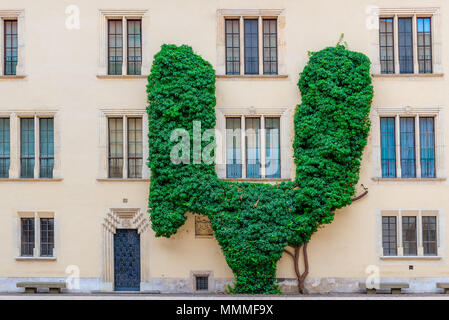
(254, 223)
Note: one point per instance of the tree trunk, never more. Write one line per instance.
(300, 277)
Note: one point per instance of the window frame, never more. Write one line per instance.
(18, 15)
(402, 214)
(417, 113)
(105, 114)
(124, 15)
(261, 137)
(10, 48)
(414, 13)
(37, 150)
(251, 14)
(37, 217)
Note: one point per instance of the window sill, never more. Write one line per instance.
(123, 77)
(255, 180)
(411, 258)
(16, 77)
(30, 180)
(121, 180)
(408, 75)
(253, 77)
(36, 258)
(409, 179)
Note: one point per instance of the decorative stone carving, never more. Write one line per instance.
(203, 227)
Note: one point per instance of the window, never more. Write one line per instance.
(27, 237)
(388, 146)
(37, 230)
(251, 41)
(410, 129)
(118, 153)
(232, 29)
(115, 147)
(427, 139)
(389, 237)
(424, 26)
(272, 146)
(45, 141)
(135, 147)
(386, 40)
(257, 31)
(409, 236)
(4, 147)
(46, 147)
(10, 47)
(27, 148)
(414, 43)
(408, 163)
(47, 230)
(233, 148)
(252, 143)
(134, 47)
(430, 236)
(116, 48)
(270, 55)
(251, 151)
(405, 44)
(202, 283)
(410, 233)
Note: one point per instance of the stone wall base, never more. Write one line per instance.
(219, 285)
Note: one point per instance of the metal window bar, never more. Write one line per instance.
(115, 156)
(46, 147)
(27, 237)
(429, 236)
(134, 47)
(10, 47)
(232, 34)
(4, 147)
(405, 44)
(233, 148)
(135, 148)
(386, 44)
(202, 283)
(424, 29)
(389, 236)
(47, 237)
(270, 47)
(427, 146)
(409, 236)
(27, 148)
(388, 147)
(115, 47)
(408, 155)
(272, 148)
(251, 41)
(252, 143)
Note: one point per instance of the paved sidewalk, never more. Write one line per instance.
(143, 296)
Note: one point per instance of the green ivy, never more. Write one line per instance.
(254, 222)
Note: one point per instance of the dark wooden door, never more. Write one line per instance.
(126, 260)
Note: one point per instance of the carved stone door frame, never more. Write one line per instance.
(123, 218)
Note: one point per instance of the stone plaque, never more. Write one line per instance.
(203, 227)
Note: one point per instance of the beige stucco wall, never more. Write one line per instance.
(61, 68)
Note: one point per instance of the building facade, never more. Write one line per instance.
(73, 177)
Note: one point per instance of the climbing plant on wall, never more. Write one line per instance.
(254, 223)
